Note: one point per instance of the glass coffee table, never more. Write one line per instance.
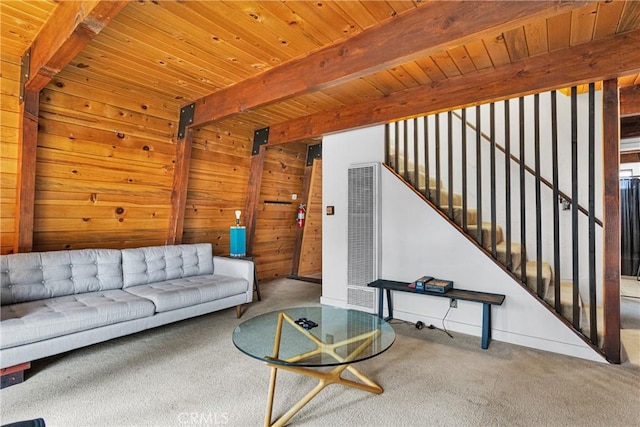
(303, 339)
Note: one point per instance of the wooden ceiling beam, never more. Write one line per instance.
(630, 127)
(599, 60)
(630, 156)
(428, 29)
(630, 100)
(71, 26)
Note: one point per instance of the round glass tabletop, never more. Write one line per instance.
(314, 336)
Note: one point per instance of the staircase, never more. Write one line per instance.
(514, 263)
(430, 152)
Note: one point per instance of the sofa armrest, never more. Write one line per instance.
(234, 267)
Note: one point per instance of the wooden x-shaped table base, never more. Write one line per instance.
(324, 378)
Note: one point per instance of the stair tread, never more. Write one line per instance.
(486, 225)
(459, 207)
(566, 293)
(444, 196)
(586, 318)
(532, 269)
(502, 246)
(421, 171)
(516, 254)
(472, 214)
(486, 234)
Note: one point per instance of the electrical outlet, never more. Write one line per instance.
(453, 303)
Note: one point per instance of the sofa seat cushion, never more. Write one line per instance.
(34, 321)
(187, 291)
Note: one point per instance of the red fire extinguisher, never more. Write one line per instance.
(301, 213)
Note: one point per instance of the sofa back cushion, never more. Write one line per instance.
(39, 275)
(141, 266)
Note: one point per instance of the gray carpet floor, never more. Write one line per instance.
(190, 374)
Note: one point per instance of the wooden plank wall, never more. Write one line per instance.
(276, 218)
(9, 120)
(217, 186)
(104, 165)
(105, 168)
(311, 252)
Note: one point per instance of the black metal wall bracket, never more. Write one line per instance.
(186, 118)
(25, 73)
(313, 152)
(260, 137)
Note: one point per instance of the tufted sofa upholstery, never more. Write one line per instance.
(52, 302)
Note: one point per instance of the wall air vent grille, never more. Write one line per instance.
(362, 236)
(360, 298)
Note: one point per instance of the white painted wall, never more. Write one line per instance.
(416, 241)
(630, 169)
(360, 146)
(629, 144)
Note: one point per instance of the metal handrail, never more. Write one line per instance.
(529, 170)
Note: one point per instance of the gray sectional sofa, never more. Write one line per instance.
(52, 302)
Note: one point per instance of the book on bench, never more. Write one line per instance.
(429, 284)
(419, 284)
(438, 285)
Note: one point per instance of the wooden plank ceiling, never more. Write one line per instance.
(172, 53)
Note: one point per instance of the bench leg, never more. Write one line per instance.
(486, 325)
(380, 302)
